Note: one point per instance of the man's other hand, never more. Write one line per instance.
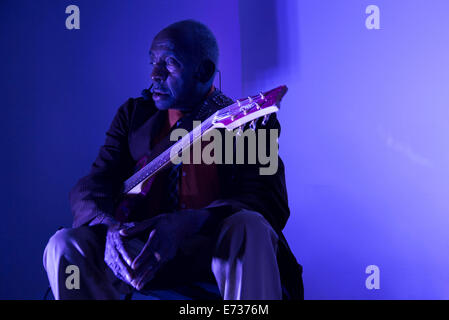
(120, 252)
(166, 233)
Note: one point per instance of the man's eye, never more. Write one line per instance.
(172, 64)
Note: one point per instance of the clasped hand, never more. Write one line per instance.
(136, 262)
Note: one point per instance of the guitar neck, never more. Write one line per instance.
(133, 185)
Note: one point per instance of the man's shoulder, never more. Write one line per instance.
(214, 102)
(132, 104)
(138, 107)
(220, 99)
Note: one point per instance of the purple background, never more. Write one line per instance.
(364, 133)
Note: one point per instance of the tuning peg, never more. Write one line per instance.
(265, 119)
(262, 96)
(250, 99)
(257, 106)
(239, 131)
(239, 103)
(252, 125)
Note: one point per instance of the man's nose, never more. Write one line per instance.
(158, 74)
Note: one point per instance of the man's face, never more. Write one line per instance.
(173, 74)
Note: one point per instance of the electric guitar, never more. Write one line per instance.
(234, 116)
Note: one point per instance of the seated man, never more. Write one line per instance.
(218, 223)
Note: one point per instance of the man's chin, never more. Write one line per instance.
(163, 104)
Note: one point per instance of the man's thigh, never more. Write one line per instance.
(83, 247)
(87, 242)
(192, 263)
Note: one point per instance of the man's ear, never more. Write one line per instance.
(206, 71)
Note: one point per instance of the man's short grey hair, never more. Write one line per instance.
(203, 37)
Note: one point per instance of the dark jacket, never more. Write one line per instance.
(128, 140)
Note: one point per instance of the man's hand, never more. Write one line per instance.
(166, 233)
(119, 253)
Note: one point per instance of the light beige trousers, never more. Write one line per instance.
(241, 261)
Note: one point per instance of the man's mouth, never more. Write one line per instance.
(157, 95)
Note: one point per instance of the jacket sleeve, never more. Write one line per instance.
(251, 190)
(93, 197)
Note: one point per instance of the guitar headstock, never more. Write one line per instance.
(249, 110)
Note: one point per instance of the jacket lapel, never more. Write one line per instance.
(144, 127)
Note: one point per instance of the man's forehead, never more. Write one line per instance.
(174, 42)
(163, 44)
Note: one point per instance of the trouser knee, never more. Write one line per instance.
(69, 242)
(245, 227)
